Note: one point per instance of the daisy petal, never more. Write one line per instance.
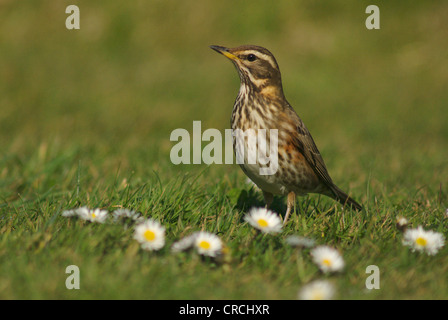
(264, 220)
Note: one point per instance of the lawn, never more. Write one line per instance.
(86, 117)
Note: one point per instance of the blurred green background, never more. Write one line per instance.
(105, 98)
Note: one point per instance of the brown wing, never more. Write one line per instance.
(304, 142)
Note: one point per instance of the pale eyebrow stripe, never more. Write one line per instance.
(261, 56)
(264, 57)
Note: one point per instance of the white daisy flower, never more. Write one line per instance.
(402, 223)
(327, 259)
(150, 234)
(423, 241)
(300, 242)
(264, 220)
(123, 214)
(184, 243)
(84, 213)
(207, 244)
(317, 290)
(92, 215)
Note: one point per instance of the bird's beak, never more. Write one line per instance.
(224, 51)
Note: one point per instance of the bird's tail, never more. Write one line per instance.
(343, 198)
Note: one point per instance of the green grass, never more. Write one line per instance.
(86, 118)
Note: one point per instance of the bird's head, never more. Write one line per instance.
(257, 68)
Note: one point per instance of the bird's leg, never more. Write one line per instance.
(268, 198)
(290, 202)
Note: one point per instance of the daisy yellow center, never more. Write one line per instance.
(317, 295)
(204, 245)
(262, 223)
(93, 215)
(149, 235)
(421, 241)
(326, 262)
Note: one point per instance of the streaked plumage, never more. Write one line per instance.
(261, 104)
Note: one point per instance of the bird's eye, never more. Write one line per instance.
(251, 57)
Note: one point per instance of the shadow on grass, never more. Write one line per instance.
(244, 200)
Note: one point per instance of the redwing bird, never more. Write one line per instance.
(261, 104)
